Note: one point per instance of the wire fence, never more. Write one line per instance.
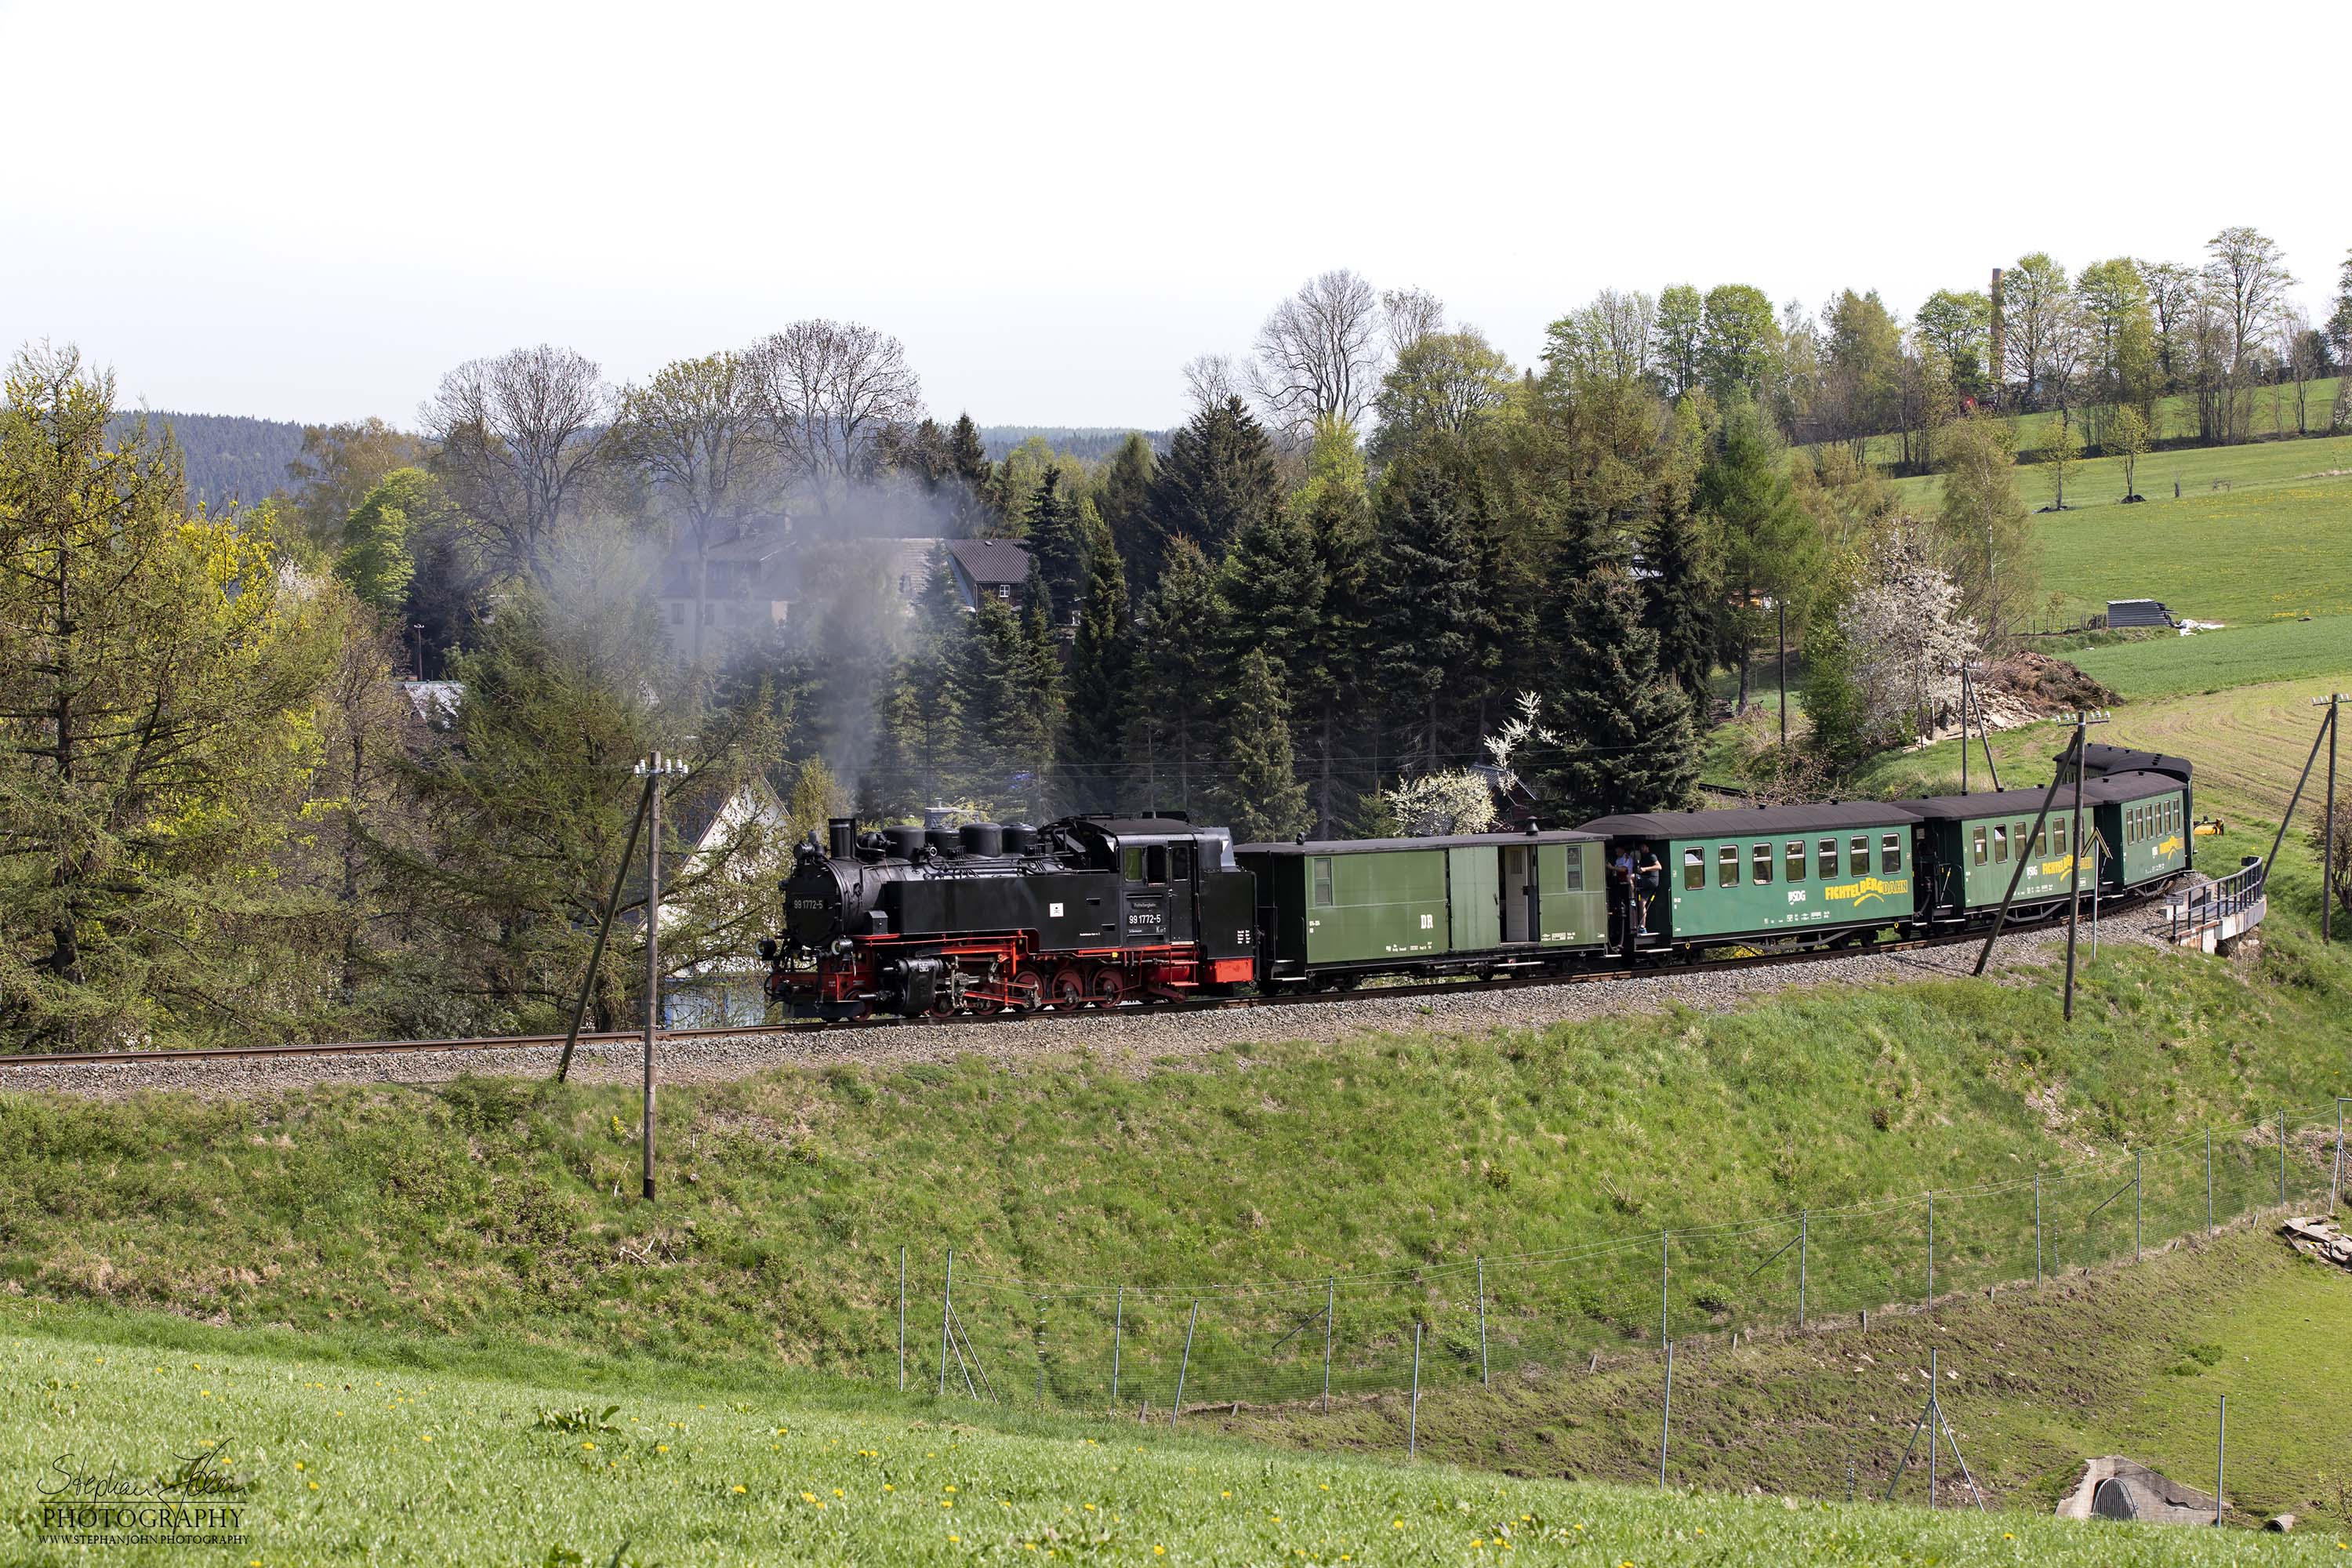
(1163, 1351)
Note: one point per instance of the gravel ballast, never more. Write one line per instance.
(1139, 1037)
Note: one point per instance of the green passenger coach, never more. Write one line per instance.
(1764, 873)
(1970, 845)
(1487, 901)
(2143, 827)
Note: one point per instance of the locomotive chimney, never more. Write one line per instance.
(841, 835)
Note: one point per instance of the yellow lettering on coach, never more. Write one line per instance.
(1868, 888)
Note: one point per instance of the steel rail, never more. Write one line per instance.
(815, 1027)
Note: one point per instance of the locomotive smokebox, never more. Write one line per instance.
(841, 834)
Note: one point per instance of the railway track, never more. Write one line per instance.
(1207, 1004)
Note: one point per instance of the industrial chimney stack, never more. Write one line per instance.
(1994, 377)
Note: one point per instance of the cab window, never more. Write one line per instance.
(1155, 863)
(1977, 848)
(1761, 858)
(1825, 859)
(1693, 870)
(1322, 881)
(1131, 864)
(1794, 854)
(1857, 857)
(1726, 866)
(1890, 852)
(1180, 859)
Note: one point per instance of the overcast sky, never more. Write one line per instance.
(310, 211)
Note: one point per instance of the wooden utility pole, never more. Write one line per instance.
(1780, 610)
(2333, 700)
(2082, 721)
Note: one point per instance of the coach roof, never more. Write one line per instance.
(2003, 803)
(1435, 841)
(1742, 821)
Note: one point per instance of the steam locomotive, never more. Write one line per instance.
(1089, 910)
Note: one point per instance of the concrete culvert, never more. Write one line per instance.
(2115, 1487)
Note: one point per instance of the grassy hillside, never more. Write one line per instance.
(331, 1463)
(2175, 420)
(2125, 1360)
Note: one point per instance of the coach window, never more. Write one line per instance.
(1760, 864)
(1575, 869)
(1890, 852)
(1826, 856)
(2042, 840)
(1322, 881)
(1793, 852)
(2058, 836)
(1726, 866)
(1693, 870)
(2000, 843)
(2017, 837)
(1978, 850)
(1857, 856)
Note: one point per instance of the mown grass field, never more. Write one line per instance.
(2210, 662)
(331, 1463)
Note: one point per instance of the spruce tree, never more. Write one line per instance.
(987, 673)
(1272, 588)
(1176, 669)
(1124, 486)
(1330, 678)
(1033, 719)
(1684, 599)
(1626, 742)
(1426, 611)
(1262, 795)
(1057, 546)
(1218, 478)
(967, 463)
(1100, 683)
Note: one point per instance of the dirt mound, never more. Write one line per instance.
(2040, 686)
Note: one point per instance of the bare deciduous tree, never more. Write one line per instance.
(825, 391)
(695, 430)
(1411, 315)
(517, 437)
(2247, 280)
(1318, 356)
(1209, 380)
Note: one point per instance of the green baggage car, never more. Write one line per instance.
(1333, 912)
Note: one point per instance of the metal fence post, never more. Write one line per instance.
(947, 1299)
(2335, 1170)
(1176, 1408)
(902, 1319)
(1804, 1221)
(1667, 1414)
(1118, 1332)
(2220, 1459)
(1413, 1415)
(1330, 1297)
(1666, 1241)
(1482, 1320)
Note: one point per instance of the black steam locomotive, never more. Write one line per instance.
(1087, 911)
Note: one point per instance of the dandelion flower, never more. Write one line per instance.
(838, 1492)
(740, 1489)
(808, 1497)
(661, 1448)
(590, 1446)
(314, 1486)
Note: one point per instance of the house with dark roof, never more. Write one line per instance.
(994, 569)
